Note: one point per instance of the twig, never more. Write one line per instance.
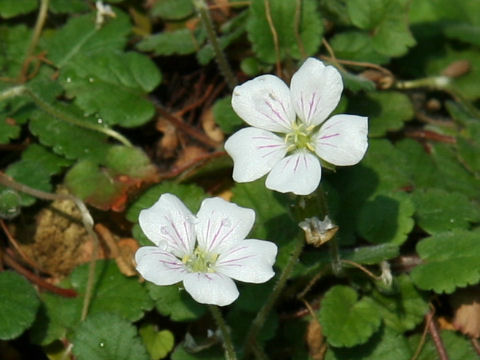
(186, 128)
(362, 268)
(437, 340)
(423, 338)
(268, 15)
(36, 279)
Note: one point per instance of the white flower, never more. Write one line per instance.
(292, 156)
(205, 251)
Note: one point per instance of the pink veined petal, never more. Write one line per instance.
(254, 153)
(299, 173)
(169, 221)
(159, 266)
(211, 288)
(342, 140)
(264, 102)
(249, 261)
(315, 90)
(222, 224)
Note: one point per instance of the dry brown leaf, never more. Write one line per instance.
(466, 317)
(169, 142)
(315, 340)
(188, 156)
(210, 127)
(223, 6)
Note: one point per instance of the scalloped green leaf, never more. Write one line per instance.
(9, 9)
(35, 169)
(173, 9)
(386, 218)
(158, 343)
(403, 308)
(18, 305)
(130, 161)
(112, 87)
(105, 336)
(110, 286)
(191, 195)
(181, 353)
(9, 129)
(371, 255)
(180, 42)
(346, 320)
(175, 303)
(450, 260)
(386, 111)
(357, 46)
(310, 29)
(14, 40)
(465, 32)
(387, 22)
(439, 210)
(66, 139)
(80, 36)
(71, 6)
(225, 117)
(10, 203)
(386, 344)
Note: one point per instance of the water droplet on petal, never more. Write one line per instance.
(164, 230)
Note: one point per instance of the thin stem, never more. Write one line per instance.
(12, 92)
(74, 121)
(437, 340)
(259, 320)
(87, 221)
(227, 340)
(268, 15)
(222, 62)
(435, 82)
(37, 31)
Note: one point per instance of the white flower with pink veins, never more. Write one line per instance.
(290, 135)
(205, 251)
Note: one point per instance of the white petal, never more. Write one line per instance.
(249, 261)
(316, 91)
(264, 102)
(254, 153)
(169, 221)
(211, 288)
(342, 140)
(159, 266)
(299, 173)
(222, 224)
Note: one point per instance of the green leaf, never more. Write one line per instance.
(175, 303)
(225, 117)
(357, 83)
(464, 32)
(180, 42)
(10, 8)
(18, 305)
(110, 286)
(15, 41)
(468, 150)
(450, 260)
(80, 36)
(173, 9)
(133, 162)
(357, 46)
(386, 219)
(113, 86)
(371, 255)
(310, 29)
(89, 182)
(181, 353)
(66, 139)
(106, 336)
(158, 343)
(403, 309)
(386, 111)
(386, 344)
(9, 128)
(458, 347)
(439, 210)
(71, 6)
(347, 321)
(191, 195)
(386, 20)
(35, 169)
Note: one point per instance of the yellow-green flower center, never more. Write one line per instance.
(300, 137)
(200, 261)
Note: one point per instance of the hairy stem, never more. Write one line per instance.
(222, 62)
(12, 92)
(227, 340)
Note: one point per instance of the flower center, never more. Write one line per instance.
(200, 261)
(300, 138)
